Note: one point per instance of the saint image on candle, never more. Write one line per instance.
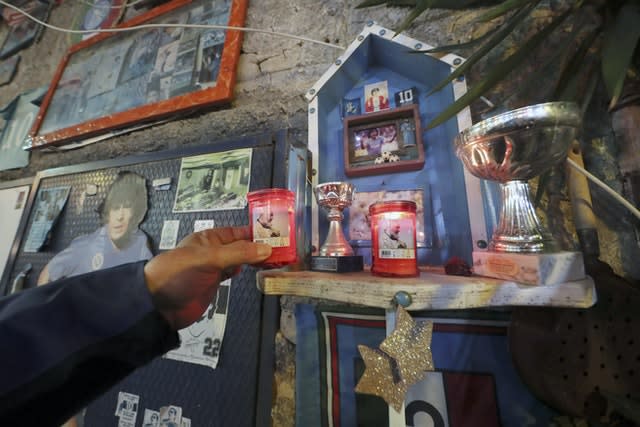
(391, 238)
(265, 227)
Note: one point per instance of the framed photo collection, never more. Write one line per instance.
(118, 79)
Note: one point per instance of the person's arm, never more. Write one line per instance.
(65, 343)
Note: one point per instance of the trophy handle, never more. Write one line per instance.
(508, 152)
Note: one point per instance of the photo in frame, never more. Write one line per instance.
(359, 232)
(120, 79)
(383, 142)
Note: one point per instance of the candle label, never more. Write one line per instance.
(396, 239)
(271, 225)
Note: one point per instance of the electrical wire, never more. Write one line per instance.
(605, 187)
(143, 26)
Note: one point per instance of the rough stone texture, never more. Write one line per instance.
(273, 75)
(284, 408)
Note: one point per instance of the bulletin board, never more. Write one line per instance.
(238, 390)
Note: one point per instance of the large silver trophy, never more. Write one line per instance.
(512, 148)
(336, 254)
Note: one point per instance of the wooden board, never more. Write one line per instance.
(432, 290)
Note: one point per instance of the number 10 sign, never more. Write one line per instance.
(406, 97)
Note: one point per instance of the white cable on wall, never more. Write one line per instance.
(605, 187)
(99, 6)
(200, 26)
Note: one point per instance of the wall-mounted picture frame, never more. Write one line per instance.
(118, 79)
(383, 142)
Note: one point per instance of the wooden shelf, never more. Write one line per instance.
(432, 290)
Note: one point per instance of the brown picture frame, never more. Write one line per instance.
(115, 80)
(383, 142)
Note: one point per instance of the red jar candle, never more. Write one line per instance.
(272, 221)
(393, 238)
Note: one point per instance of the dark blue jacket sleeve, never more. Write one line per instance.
(65, 343)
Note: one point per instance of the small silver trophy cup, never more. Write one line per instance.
(335, 197)
(512, 148)
(336, 254)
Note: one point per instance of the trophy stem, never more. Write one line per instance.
(519, 229)
(335, 244)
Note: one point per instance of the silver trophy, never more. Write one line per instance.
(512, 148)
(334, 197)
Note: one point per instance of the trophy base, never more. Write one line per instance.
(337, 264)
(533, 269)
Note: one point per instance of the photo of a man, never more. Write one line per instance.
(377, 97)
(265, 227)
(118, 241)
(392, 239)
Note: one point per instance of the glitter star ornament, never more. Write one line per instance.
(401, 361)
(381, 378)
(410, 346)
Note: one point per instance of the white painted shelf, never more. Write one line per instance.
(432, 290)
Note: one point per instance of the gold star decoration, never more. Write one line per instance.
(410, 346)
(379, 378)
(401, 361)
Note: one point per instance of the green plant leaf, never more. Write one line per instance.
(439, 4)
(590, 90)
(621, 40)
(500, 35)
(505, 7)
(547, 67)
(566, 86)
(499, 72)
(371, 3)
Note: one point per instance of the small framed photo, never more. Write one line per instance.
(383, 142)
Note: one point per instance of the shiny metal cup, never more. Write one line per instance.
(512, 148)
(334, 197)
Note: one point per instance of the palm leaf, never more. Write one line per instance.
(499, 72)
(566, 87)
(500, 35)
(371, 3)
(547, 67)
(506, 7)
(621, 41)
(439, 4)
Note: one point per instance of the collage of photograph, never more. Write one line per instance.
(135, 69)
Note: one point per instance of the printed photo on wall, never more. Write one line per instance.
(118, 240)
(49, 204)
(359, 224)
(213, 182)
(377, 97)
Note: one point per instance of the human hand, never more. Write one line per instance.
(183, 281)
